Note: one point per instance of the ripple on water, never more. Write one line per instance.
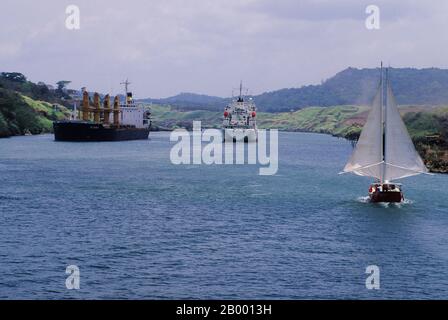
(139, 227)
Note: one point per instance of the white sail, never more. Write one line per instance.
(401, 158)
(367, 158)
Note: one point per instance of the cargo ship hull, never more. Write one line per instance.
(82, 131)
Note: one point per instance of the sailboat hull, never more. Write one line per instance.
(385, 193)
(387, 196)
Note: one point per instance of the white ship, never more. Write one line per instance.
(239, 122)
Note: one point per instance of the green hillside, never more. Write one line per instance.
(428, 126)
(27, 107)
(340, 120)
(20, 114)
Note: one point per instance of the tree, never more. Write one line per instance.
(62, 84)
(14, 76)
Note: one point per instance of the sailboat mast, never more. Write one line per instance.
(386, 102)
(382, 124)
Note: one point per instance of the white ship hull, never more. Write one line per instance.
(240, 135)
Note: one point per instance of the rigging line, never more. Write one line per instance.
(407, 169)
(361, 168)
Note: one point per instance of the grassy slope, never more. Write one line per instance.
(343, 121)
(427, 125)
(20, 114)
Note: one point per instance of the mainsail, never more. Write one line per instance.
(401, 158)
(385, 150)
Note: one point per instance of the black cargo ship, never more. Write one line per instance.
(87, 131)
(122, 122)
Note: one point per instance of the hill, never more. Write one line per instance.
(349, 87)
(192, 101)
(22, 110)
(21, 115)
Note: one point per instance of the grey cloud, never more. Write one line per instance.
(171, 46)
(328, 10)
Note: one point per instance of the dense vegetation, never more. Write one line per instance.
(349, 87)
(430, 134)
(17, 82)
(21, 108)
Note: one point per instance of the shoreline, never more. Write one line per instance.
(163, 129)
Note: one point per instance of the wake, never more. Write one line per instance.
(405, 202)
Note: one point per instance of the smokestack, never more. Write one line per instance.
(96, 107)
(85, 106)
(106, 109)
(128, 98)
(117, 111)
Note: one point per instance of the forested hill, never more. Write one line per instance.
(28, 108)
(191, 101)
(349, 87)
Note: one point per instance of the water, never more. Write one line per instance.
(139, 227)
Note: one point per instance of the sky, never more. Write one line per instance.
(165, 47)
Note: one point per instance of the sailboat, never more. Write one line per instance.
(385, 150)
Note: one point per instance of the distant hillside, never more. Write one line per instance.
(191, 101)
(349, 87)
(200, 100)
(428, 126)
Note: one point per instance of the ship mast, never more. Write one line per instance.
(126, 83)
(240, 98)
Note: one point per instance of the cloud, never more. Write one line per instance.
(171, 46)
